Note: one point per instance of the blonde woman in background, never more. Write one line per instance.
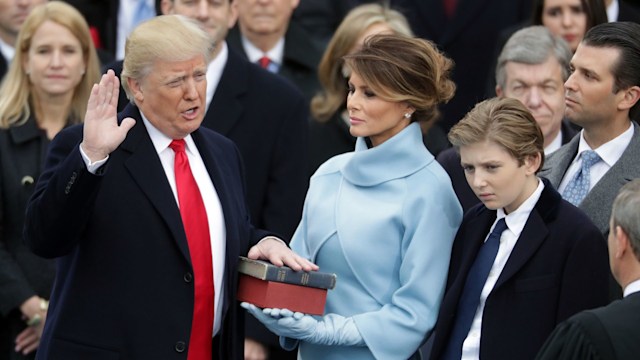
(329, 128)
(46, 89)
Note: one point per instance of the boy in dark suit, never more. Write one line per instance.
(543, 260)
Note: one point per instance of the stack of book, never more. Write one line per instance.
(268, 286)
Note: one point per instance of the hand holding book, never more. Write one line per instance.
(330, 329)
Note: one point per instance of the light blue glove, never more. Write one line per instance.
(331, 329)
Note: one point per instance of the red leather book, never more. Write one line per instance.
(273, 294)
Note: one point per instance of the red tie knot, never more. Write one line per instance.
(177, 145)
(264, 62)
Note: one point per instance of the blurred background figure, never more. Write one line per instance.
(266, 36)
(321, 18)
(610, 332)
(329, 128)
(570, 19)
(111, 21)
(620, 10)
(12, 15)
(46, 89)
(532, 67)
(466, 30)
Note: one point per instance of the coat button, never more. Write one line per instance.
(180, 346)
(188, 277)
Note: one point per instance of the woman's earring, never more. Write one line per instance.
(407, 115)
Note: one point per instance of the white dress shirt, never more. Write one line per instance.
(609, 152)
(7, 51)
(633, 287)
(515, 223)
(555, 144)
(613, 11)
(214, 72)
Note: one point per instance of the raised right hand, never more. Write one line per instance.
(102, 134)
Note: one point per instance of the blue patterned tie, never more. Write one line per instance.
(470, 298)
(578, 187)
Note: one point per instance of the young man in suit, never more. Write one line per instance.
(609, 332)
(601, 96)
(265, 35)
(532, 67)
(146, 211)
(542, 261)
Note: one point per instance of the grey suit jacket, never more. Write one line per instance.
(597, 204)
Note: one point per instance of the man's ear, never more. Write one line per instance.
(499, 92)
(532, 163)
(622, 242)
(136, 90)
(631, 96)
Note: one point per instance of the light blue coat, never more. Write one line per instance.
(384, 220)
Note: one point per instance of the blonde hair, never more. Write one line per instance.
(167, 37)
(357, 21)
(504, 121)
(404, 69)
(15, 91)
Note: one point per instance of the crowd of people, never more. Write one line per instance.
(468, 169)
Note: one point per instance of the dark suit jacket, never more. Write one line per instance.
(22, 274)
(558, 267)
(267, 118)
(300, 60)
(468, 38)
(450, 161)
(606, 333)
(628, 12)
(123, 288)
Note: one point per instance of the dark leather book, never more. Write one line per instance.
(266, 271)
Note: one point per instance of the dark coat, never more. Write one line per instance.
(123, 288)
(606, 333)
(22, 274)
(558, 267)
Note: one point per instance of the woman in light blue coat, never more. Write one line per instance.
(383, 218)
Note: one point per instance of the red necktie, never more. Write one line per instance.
(449, 7)
(264, 62)
(196, 227)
